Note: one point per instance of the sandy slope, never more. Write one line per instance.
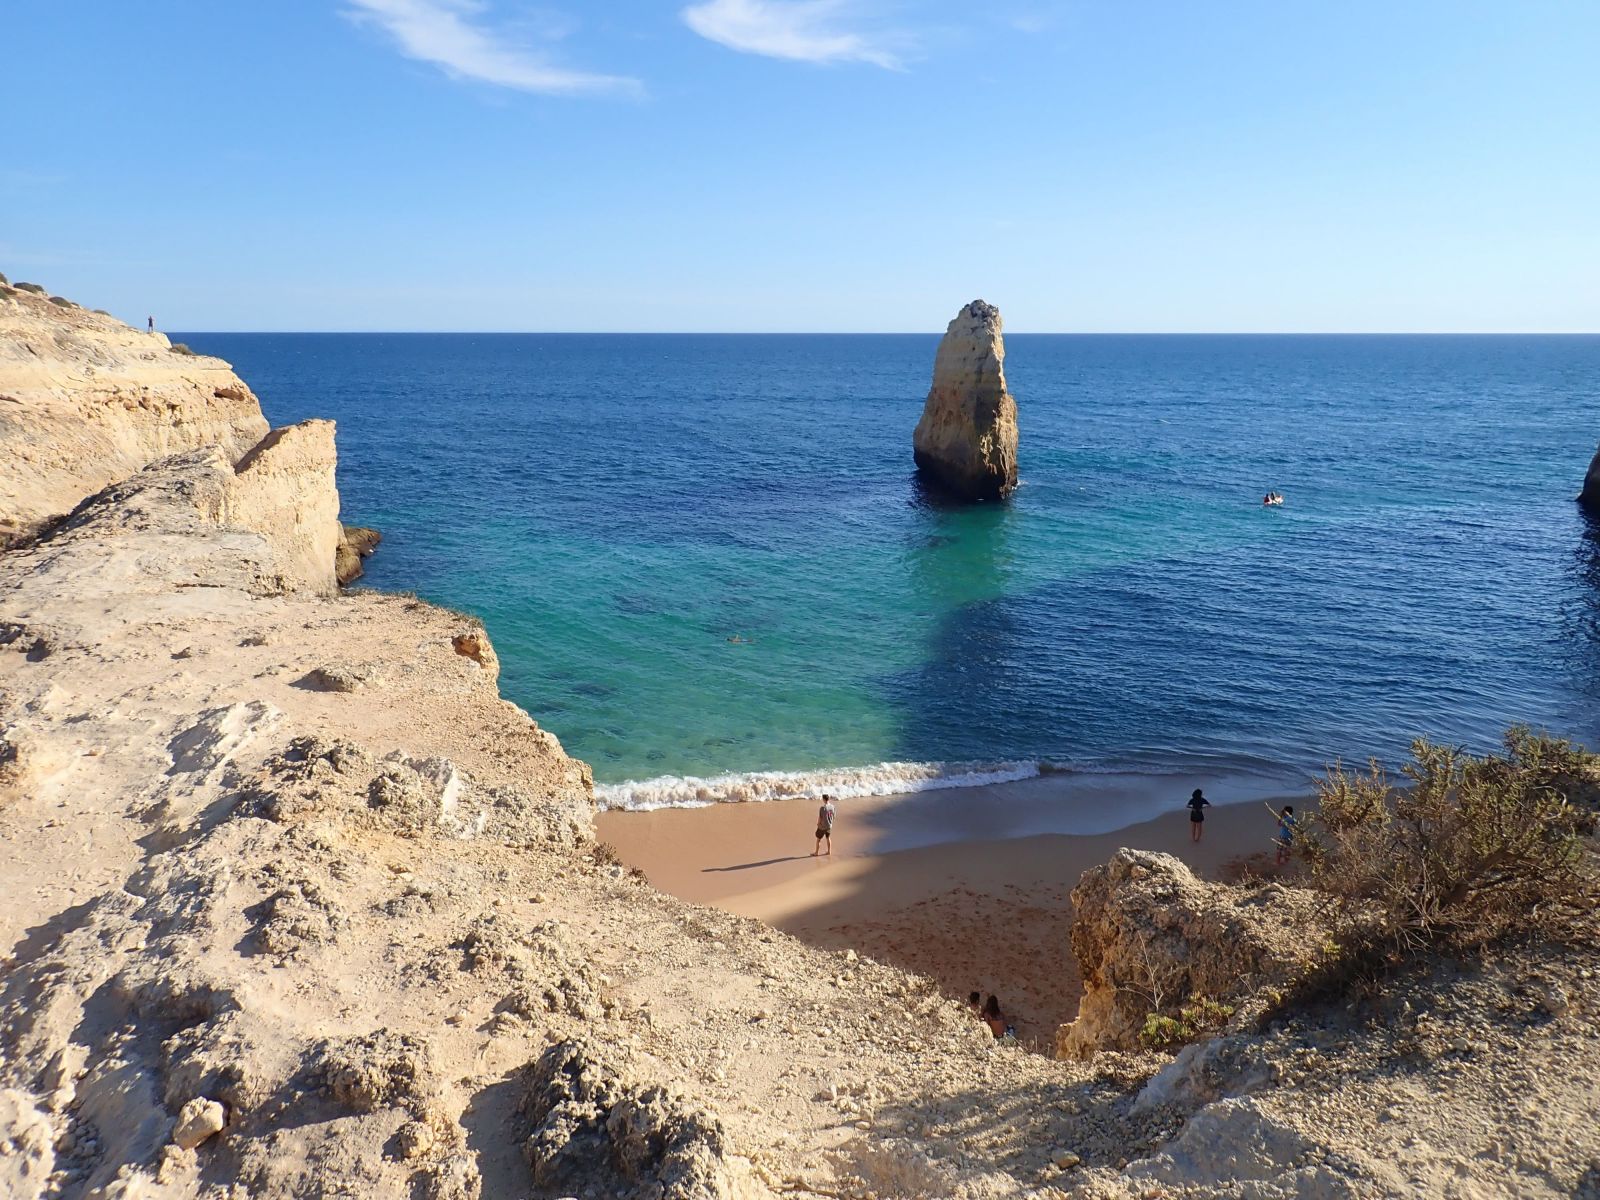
(971, 912)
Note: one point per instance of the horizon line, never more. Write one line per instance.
(904, 332)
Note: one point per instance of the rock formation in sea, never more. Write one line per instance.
(355, 546)
(966, 442)
(1590, 496)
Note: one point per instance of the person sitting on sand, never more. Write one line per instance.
(1197, 815)
(824, 825)
(996, 1020)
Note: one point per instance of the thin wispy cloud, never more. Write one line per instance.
(818, 31)
(451, 35)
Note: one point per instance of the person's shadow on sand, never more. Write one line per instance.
(766, 862)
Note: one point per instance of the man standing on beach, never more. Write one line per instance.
(824, 825)
(150, 322)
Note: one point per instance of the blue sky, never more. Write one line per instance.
(807, 164)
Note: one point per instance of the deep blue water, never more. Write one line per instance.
(617, 507)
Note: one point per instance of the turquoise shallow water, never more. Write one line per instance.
(618, 507)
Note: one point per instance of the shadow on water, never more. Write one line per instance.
(1583, 620)
(960, 566)
(928, 495)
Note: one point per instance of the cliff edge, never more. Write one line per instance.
(86, 400)
(1590, 496)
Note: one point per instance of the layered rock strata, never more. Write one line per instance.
(86, 401)
(966, 442)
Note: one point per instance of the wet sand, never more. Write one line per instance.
(969, 886)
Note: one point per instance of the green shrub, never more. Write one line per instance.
(180, 348)
(31, 287)
(1194, 1021)
(100, 312)
(62, 302)
(4, 282)
(1472, 849)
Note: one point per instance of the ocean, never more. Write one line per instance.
(619, 508)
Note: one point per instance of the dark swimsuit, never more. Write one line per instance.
(1197, 810)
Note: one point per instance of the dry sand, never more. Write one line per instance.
(972, 912)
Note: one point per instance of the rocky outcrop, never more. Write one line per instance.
(966, 442)
(1590, 496)
(86, 401)
(284, 490)
(593, 1131)
(279, 509)
(355, 545)
(1153, 940)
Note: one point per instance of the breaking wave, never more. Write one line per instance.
(880, 779)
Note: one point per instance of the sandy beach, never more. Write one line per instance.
(968, 886)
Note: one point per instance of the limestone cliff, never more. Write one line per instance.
(86, 400)
(284, 489)
(1590, 496)
(966, 441)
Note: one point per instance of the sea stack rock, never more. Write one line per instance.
(1590, 496)
(966, 442)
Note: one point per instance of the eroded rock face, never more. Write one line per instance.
(355, 545)
(281, 498)
(88, 400)
(284, 490)
(966, 442)
(1152, 938)
(1590, 496)
(590, 1128)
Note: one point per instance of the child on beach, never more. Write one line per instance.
(1285, 836)
(824, 825)
(1197, 815)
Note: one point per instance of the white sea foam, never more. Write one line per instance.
(880, 779)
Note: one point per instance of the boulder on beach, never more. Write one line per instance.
(1590, 496)
(966, 442)
(1152, 939)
